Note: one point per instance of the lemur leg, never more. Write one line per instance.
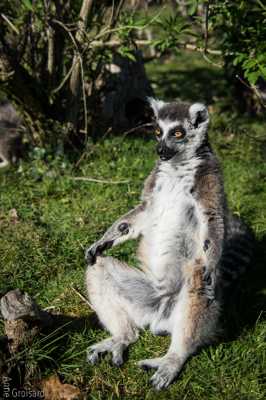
(116, 293)
(129, 226)
(194, 325)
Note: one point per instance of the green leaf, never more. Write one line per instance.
(252, 77)
(126, 52)
(237, 60)
(193, 7)
(248, 64)
(262, 69)
(130, 56)
(28, 4)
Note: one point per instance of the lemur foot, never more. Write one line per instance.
(114, 346)
(167, 367)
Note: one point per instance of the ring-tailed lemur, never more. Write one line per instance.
(189, 243)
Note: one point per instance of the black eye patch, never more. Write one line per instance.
(177, 132)
(157, 131)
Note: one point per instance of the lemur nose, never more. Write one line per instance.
(160, 148)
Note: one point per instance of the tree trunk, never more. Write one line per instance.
(120, 97)
(75, 79)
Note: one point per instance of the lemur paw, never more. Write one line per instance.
(92, 356)
(167, 370)
(163, 377)
(95, 250)
(117, 358)
(90, 255)
(116, 348)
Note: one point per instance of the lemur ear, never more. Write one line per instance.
(156, 105)
(198, 114)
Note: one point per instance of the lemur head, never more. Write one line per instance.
(180, 128)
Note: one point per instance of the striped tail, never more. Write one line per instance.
(237, 253)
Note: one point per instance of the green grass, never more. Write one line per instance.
(43, 253)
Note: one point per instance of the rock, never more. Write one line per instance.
(18, 305)
(23, 319)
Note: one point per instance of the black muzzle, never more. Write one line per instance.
(164, 152)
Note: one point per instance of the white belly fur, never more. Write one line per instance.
(166, 224)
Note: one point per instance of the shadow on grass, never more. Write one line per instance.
(73, 324)
(45, 353)
(254, 301)
(248, 303)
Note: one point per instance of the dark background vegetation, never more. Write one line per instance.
(78, 73)
(76, 67)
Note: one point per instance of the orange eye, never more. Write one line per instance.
(157, 132)
(179, 134)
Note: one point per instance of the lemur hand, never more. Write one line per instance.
(95, 250)
(106, 242)
(90, 255)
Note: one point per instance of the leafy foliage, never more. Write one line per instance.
(236, 29)
(172, 29)
(53, 58)
(240, 28)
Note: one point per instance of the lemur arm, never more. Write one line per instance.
(212, 201)
(129, 226)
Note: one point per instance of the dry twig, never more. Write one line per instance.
(12, 26)
(87, 179)
(148, 125)
(83, 298)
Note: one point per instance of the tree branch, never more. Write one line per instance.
(206, 26)
(50, 43)
(253, 89)
(185, 46)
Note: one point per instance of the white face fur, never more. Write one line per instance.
(180, 128)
